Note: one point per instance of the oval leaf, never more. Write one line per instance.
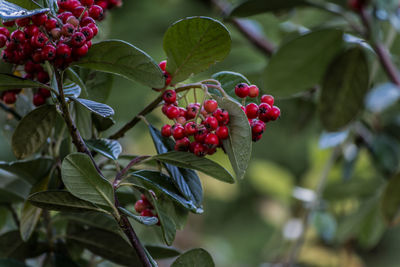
(254, 7)
(33, 130)
(83, 181)
(190, 161)
(194, 44)
(9, 82)
(72, 90)
(122, 58)
(344, 88)
(141, 219)
(61, 201)
(391, 201)
(194, 258)
(108, 148)
(95, 107)
(239, 144)
(10, 11)
(228, 80)
(300, 64)
(161, 252)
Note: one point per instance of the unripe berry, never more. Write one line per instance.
(166, 130)
(38, 100)
(252, 111)
(56, 33)
(253, 91)
(169, 96)
(242, 90)
(269, 99)
(210, 105)
(73, 21)
(172, 112)
(181, 120)
(178, 132)
(182, 144)
(9, 97)
(211, 123)
(222, 132)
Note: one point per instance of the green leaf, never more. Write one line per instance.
(228, 80)
(385, 151)
(12, 246)
(186, 181)
(239, 144)
(12, 189)
(83, 181)
(98, 108)
(161, 252)
(194, 44)
(300, 63)
(382, 97)
(162, 184)
(121, 58)
(75, 78)
(98, 84)
(72, 90)
(11, 263)
(332, 139)
(30, 214)
(390, 202)
(108, 148)
(33, 130)
(190, 161)
(61, 201)
(29, 170)
(346, 82)
(9, 82)
(254, 7)
(9, 10)
(141, 219)
(107, 245)
(101, 123)
(197, 257)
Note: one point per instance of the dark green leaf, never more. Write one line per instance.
(9, 82)
(107, 245)
(197, 257)
(12, 246)
(186, 181)
(29, 170)
(239, 144)
(162, 184)
(11, 11)
(372, 228)
(95, 107)
(12, 189)
(385, 152)
(61, 201)
(11, 263)
(346, 81)
(141, 219)
(190, 161)
(74, 77)
(33, 130)
(160, 252)
(254, 7)
(121, 58)
(101, 123)
(300, 63)
(391, 201)
(83, 181)
(228, 81)
(108, 148)
(194, 44)
(72, 90)
(98, 84)
(382, 97)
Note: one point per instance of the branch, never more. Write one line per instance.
(10, 110)
(121, 174)
(81, 147)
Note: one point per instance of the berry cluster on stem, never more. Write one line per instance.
(145, 208)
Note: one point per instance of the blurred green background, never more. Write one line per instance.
(245, 224)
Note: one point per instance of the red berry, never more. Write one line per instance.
(169, 96)
(18, 36)
(44, 92)
(80, 51)
(182, 112)
(9, 23)
(191, 111)
(269, 99)
(263, 112)
(172, 112)
(252, 111)
(168, 78)
(163, 65)
(5, 31)
(182, 144)
(78, 39)
(199, 150)
(166, 130)
(39, 19)
(49, 52)
(211, 123)
(141, 205)
(68, 29)
(51, 24)
(38, 100)
(9, 97)
(31, 30)
(253, 91)
(39, 40)
(356, 5)
(211, 141)
(43, 77)
(210, 105)
(257, 127)
(23, 22)
(222, 116)
(274, 113)
(222, 132)
(190, 128)
(3, 40)
(96, 12)
(63, 51)
(87, 31)
(64, 16)
(242, 90)
(87, 2)
(80, 12)
(178, 132)
(147, 213)
(200, 135)
(30, 67)
(86, 21)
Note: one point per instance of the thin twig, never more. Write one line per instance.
(122, 173)
(10, 110)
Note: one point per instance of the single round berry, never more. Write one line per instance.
(68, 29)
(141, 205)
(253, 91)
(63, 51)
(222, 116)
(96, 12)
(257, 127)
(44, 92)
(178, 132)
(274, 113)
(9, 97)
(268, 99)
(210, 105)
(86, 21)
(88, 32)
(38, 100)
(147, 213)
(80, 51)
(39, 40)
(49, 52)
(211, 123)
(31, 30)
(73, 21)
(43, 77)
(200, 135)
(190, 128)
(39, 19)
(172, 112)
(163, 65)
(211, 141)
(18, 36)
(166, 130)
(169, 96)
(51, 24)
(5, 31)
(191, 111)
(23, 22)
(80, 12)
(222, 132)
(87, 2)
(78, 39)
(242, 90)
(182, 144)
(252, 110)
(3, 40)
(263, 112)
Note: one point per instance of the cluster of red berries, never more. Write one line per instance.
(258, 115)
(39, 97)
(145, 208)
(199, 138)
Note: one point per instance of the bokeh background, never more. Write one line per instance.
(256, 221)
